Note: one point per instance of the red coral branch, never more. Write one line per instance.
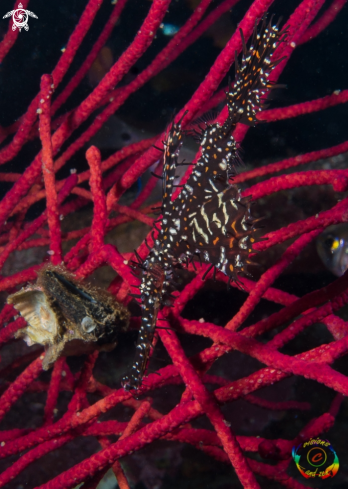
(339, 97)
(18, 387)
(209, 406)
(37, 223)
(46, 90)
(327, 17)
(291, 162)
(58, 73)
(53, 391)
(132, 426)
(99, 220)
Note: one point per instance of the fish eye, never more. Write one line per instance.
(332, 243)
(335, 244)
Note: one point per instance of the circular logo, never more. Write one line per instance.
(20, 18)
(316, 458)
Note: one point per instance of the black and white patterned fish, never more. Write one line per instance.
(209, 220)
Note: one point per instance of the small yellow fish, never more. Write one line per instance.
(332, 247)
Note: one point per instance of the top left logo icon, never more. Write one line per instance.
(20, 17)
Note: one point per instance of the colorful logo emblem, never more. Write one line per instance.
(316, 458)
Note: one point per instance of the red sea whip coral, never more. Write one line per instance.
(40, 180)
